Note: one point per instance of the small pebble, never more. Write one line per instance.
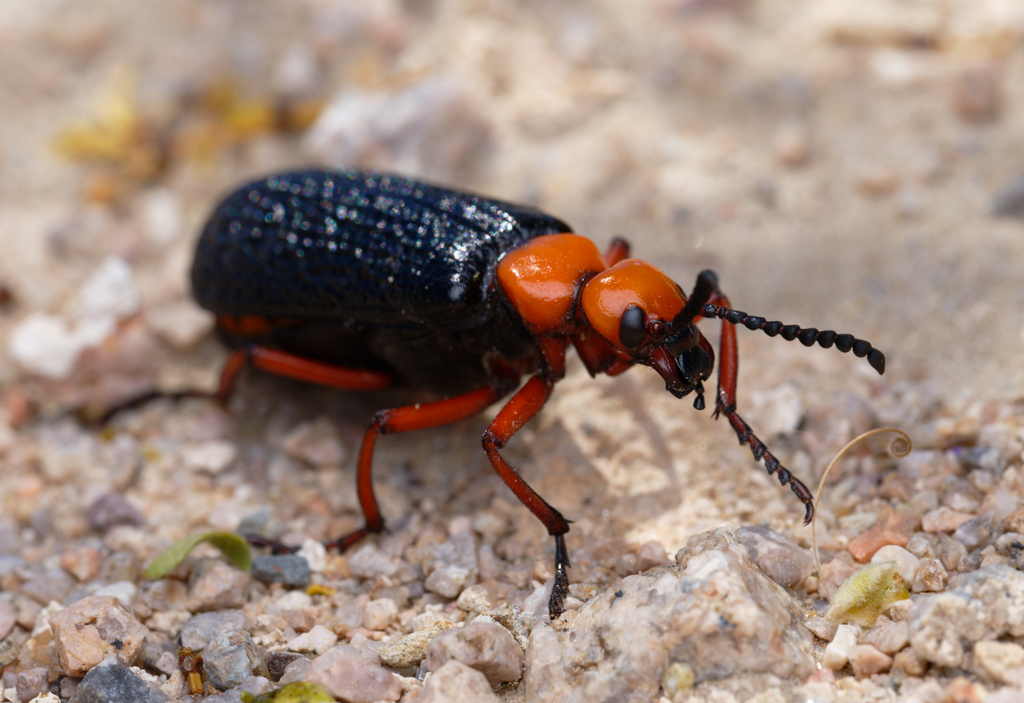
(124, 591)
(369, 562)
(1002, 662)
(202, 628)
(792, 146)
(931, 576)
(823, 628)
(781, 560)
(31, 683)
(82, 563)
(867, 660)
(411, 649)
(212, 456)
(47, 585)
(289, 569)
(907, 563)
(349, 676)
(486, 647)
(454, 566)
(316, 443)
(976, 532)
(112, 510)
(457, 683)
(976, 94)
(1009, 201)
(230, 658)
(8, 616)
(942, 519)
(113, 681)
(315, 642)
(887, 635)
(92, 629)
(839, 650)
(181, 323)
(215, 585)
(380, 614)
(278, 662)
(909, 663)
(1014, 522)
(295, 671)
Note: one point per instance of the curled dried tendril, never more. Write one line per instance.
(899, 446)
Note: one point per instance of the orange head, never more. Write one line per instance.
(641, 312)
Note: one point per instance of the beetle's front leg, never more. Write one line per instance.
(725, 404)
(519, 410)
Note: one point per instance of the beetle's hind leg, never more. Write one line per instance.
(725, 404)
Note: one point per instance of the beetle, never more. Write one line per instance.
(363, 281)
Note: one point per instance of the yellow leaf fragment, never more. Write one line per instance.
(867, 594)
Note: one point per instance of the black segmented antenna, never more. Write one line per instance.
(806, 335)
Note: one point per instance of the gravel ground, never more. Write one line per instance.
(852, 165)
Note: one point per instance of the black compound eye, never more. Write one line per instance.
(633, 327)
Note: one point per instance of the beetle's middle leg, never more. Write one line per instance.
(725, 404)
(421, 416)
(519, 410)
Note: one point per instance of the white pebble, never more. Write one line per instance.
(315, 553)
(906, 563)
(212, 457)
(380, 613)
(838, 651)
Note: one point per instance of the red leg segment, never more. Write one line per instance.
(293, 366)
(617, 251)
(725, 403)
(406, 419)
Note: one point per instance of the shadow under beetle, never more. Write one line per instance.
(365, 281)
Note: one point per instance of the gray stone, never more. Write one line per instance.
(1010, 544)
(977, 532)
(784, 562)
(713, 610)
(277, 662)
(46, 585)
(347, 675)
(983, 605)
(457, 683)
(31, 683)
(289, 569)
(253, 684)
(112, 510)
(198, 631)
(370, 562)
(8, 616)
(454, 566)
(113, 682)
(484, 646)
(232, 657)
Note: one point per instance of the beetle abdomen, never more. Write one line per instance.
(358, 247)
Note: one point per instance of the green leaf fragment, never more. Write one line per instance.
(235, 548)
(867, 594)
(298, 692)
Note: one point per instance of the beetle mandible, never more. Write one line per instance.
(364, 281)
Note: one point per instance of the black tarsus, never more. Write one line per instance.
(556, 604)
(806, 335)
